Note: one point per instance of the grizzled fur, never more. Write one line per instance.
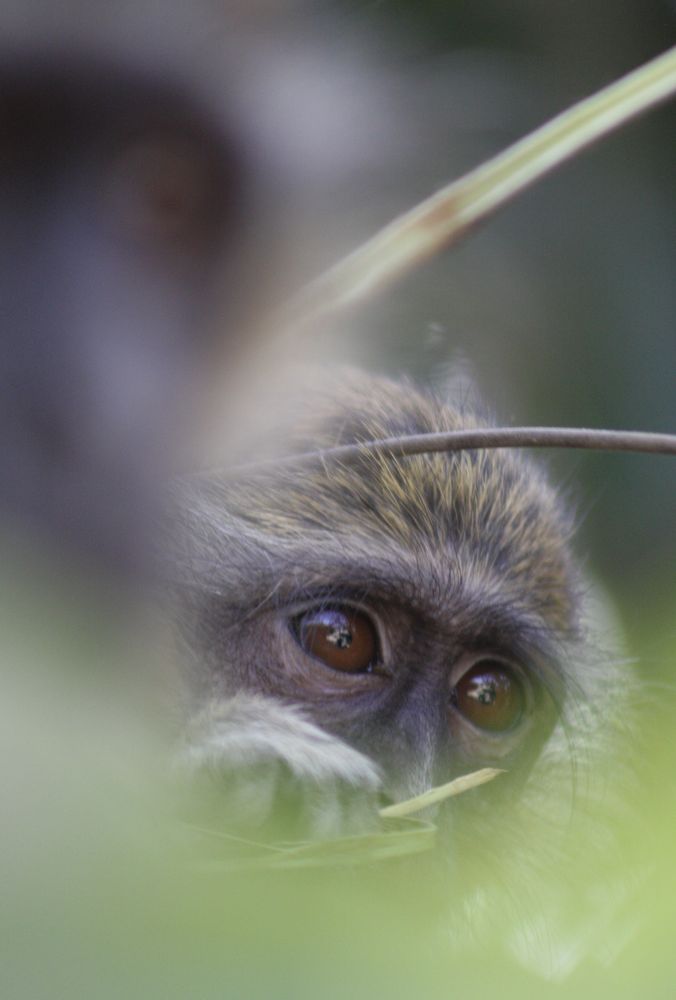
(453, 555)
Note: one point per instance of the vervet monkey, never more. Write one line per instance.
(121, 198)
(359, 633)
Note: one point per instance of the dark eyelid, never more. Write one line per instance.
(305, 600)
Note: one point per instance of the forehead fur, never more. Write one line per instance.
(487, 517)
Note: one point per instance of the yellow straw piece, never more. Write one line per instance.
(441, 792)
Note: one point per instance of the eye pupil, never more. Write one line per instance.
(490, 695)
(485, 694)
(342, 638)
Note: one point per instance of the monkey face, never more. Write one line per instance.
(423, 699)
(420, 609)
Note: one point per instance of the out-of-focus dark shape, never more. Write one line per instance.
(120, 204)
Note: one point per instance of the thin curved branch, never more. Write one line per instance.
(481, 437)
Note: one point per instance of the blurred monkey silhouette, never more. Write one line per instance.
(120, 202)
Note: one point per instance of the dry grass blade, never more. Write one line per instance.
(441, 220)
(398, 838)
(440, 793)
(401, 840)
(406, 836)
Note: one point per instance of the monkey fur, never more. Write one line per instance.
(455, 558)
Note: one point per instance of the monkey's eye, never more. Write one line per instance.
(490, 696)
(342, 638)
(159, 189)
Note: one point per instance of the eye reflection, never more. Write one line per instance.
(490, 696)
(343, 638)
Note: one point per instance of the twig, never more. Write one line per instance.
(483, 437)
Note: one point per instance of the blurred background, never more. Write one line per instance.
(561, 308)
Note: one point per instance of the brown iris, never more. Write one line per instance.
(490, 696)
(342, 638)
